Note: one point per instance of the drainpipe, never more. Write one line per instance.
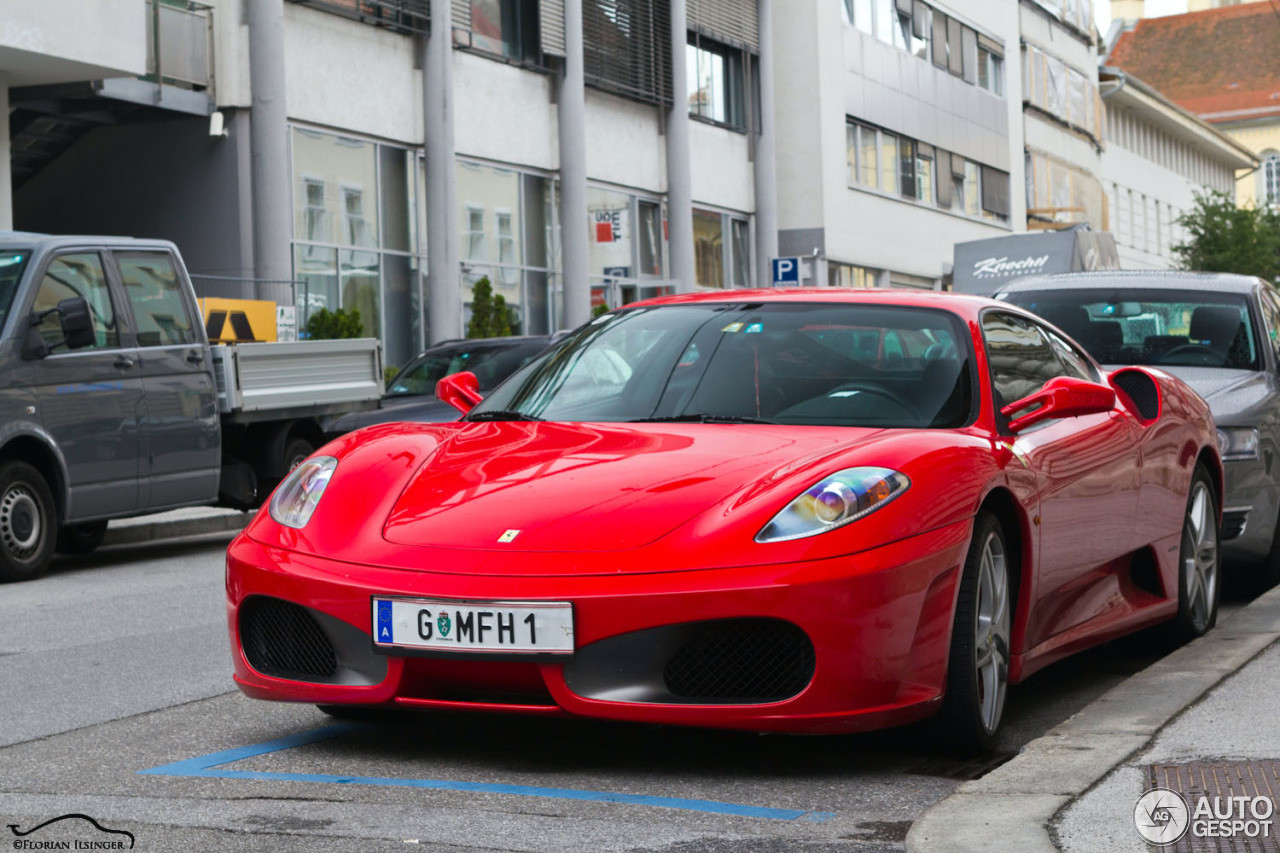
(679, 173)
(444, 282)
(574, 225)
(269, 153)
(766, 168)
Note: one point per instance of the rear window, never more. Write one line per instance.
(1169, 328)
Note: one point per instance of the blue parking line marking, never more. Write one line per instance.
(213, 766)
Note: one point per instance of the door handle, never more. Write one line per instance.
(195, 357)
(124, 362)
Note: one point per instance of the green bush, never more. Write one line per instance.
(490, 317)
(326, 325)
(1222, 237)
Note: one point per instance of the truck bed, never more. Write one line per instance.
(259, 381)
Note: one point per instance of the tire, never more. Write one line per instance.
(1199, 561)
(81, 538)
(28, 522)
(296, 450)
(978, 665)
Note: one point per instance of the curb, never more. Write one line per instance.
(1010, 808)
(134, 531)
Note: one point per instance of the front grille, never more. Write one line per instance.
(755, 660)
(283, 640)
(1233, 523)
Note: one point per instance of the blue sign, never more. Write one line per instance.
(384, 621)
(786, 272)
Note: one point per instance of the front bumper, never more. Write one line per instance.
(1249, 511)
(879, 625)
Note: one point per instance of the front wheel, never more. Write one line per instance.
(28, 522)
(978, 666)
(296, 451)
(1198, 561)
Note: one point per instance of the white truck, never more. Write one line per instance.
(113, 403)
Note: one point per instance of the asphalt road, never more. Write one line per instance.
(116, 702)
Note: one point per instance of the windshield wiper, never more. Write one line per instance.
(700, 418)
(501, 415)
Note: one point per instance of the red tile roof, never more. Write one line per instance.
(1221, 64)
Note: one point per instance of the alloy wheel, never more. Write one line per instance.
(991, 632)
(1200, 556)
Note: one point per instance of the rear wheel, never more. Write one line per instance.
(296, 450)
(81, 538)
(28, 523)
(1198, 561)
(978, 667)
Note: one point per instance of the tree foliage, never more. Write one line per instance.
(489, 315)
(1221, 237)
(331, 325)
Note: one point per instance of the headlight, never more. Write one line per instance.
(1238, 443)
(835, 501)
(298, 495)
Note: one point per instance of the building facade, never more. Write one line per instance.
(1157, 158)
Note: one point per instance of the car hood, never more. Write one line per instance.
(1228, 392)
(564, 487)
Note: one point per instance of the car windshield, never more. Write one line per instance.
(785, 363)
(491, 363)
(1186, 328)
(12, 263)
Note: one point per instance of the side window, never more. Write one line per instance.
(1271, 313)
(152, 285)
(1073, 361)
(67, 277)
(1019, 356)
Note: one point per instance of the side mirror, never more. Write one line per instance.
(1061, 397)
(77, 322)
(460, 390)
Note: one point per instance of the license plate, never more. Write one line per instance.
(494, 627)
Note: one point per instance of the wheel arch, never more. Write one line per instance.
(38, 452)
(1016, 526)
(1208, 457)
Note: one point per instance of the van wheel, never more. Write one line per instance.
(28, 523)
(296, 450)
(81, 538)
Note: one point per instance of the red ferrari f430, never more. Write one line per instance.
(807, 511)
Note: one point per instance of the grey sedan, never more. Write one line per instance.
(1219, 333)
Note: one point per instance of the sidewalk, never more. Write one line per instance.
(191, 521)
(1075, 788)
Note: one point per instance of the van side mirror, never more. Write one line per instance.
(77, 322)
(77, 328)
(460, 390)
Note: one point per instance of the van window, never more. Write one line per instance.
(151, 283)
(67, 277)
(12, 263)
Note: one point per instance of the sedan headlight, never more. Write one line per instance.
(1238, 443)
(298, 495)
(835, 501)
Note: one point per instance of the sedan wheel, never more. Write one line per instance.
(1198, 565)
(978, 666)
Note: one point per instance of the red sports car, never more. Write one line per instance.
(803, 510)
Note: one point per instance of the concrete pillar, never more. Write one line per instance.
(679, 174)
(269, 147)
(574, 226)
(766, 166)
(6, 173)
(444, 282)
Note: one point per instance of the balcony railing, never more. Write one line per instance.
(180, 44)
(402, 16)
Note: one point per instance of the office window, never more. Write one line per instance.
(506, 248)
(356, 228)
(708, 248)
(505, 27)
(473, 242)
(990, 71)
(924, 178)
(315, 216)
(740, 245)
(907, 166)
(651, 238)
(715, 82)
(888, 162)
(849, 275)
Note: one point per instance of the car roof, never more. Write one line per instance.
(956, 303)
(1150, 279)
(39, 242)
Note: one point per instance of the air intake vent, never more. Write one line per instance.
(737, 660)
(1142, 390)
(283, 640)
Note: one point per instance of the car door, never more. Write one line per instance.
(1267, 415)
(1087, 472)
(89, 398)
(180, 433)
